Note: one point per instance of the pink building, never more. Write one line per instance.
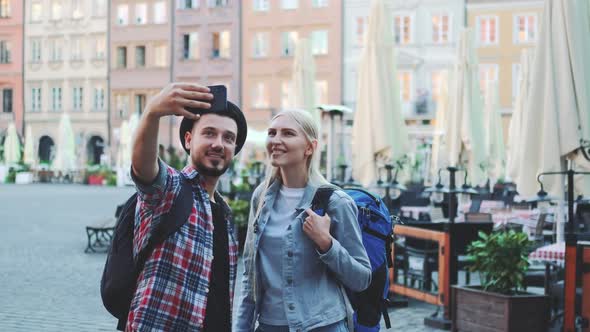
(140, 53)
(11, 65)
(207, 45)
(270, 30)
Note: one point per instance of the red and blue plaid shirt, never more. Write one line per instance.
(172, 289)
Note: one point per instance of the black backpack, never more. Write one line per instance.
(119, 278)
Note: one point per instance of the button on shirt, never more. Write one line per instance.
(271, 255)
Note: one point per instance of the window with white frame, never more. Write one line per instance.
(139, 103)
(139, 56)
(288, 41)
(289, 4)
(121, 57)
(360, 24)
(321, 91)
(319, 42)
(35, 99)
(161, 59)
(55, 49)
(77, 12)
(261, 5)
(36, 11)
(221, 44)
(217, 3)
(516, 78)
(122, 105)
(319, 3)
(488, 73)
(7, 100)
(260, 44)
(406, 83)
(77, 98)
(5, 51)
(260, 95)
(76, 48)
(122, 14)
(437, 78)
(160, 12)
(56, 98)
(525, 28)
(100, 8)
(56, 10)
(190, 46)
(100, 47)
(140, 13)
(98, 101)
(35, 50)
(488, 29)
(4, 8)
(441, 28)
(286, 87)
(188, 4)
(402, 26)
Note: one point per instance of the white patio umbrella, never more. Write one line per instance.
(514, 143)
(494, 135)
(65, 156)
(556, 115)
(29, 153)
(464, 135)
(440, 153)
(303, 95)
(379, 130)
(11, 146)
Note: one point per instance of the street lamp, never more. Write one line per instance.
(465, 191)
(390, 189)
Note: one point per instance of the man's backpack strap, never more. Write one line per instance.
(170, 222)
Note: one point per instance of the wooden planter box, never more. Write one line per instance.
(476, 310)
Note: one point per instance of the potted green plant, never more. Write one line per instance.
(500, 303)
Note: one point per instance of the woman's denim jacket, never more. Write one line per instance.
(313, 292)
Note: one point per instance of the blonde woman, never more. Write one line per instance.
(295, 261)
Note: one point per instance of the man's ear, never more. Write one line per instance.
(187, 140)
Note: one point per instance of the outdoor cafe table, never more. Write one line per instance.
(550, 253)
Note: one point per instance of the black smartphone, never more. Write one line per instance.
(219, 102)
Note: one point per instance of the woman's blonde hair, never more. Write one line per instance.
(310, 129)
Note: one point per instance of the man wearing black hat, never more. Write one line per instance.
(187, 282)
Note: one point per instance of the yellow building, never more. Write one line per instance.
(503, 29)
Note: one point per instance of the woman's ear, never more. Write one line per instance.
(187, 140)
(311, 147)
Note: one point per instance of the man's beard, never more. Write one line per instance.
(210, 171)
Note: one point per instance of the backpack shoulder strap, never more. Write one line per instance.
(172, 221)
(321, 199)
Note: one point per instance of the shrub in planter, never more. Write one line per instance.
(240, 210)
(500, 303)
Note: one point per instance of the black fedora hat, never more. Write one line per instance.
(232, 111)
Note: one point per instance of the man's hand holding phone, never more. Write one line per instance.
(175, 98)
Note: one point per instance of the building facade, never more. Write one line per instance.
(11, 65)
(425, 38)
(140, 59)
(65, 55)
(207, 45)
(270, 30)
(503, 29)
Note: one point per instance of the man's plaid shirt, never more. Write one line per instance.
(172, 289)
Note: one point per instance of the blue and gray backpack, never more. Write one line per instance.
(377, 234)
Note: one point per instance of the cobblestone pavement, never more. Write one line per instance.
(47, 281)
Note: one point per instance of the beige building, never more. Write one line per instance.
(66, 71)
(140, 53)
(503, 29)
(270, 29)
